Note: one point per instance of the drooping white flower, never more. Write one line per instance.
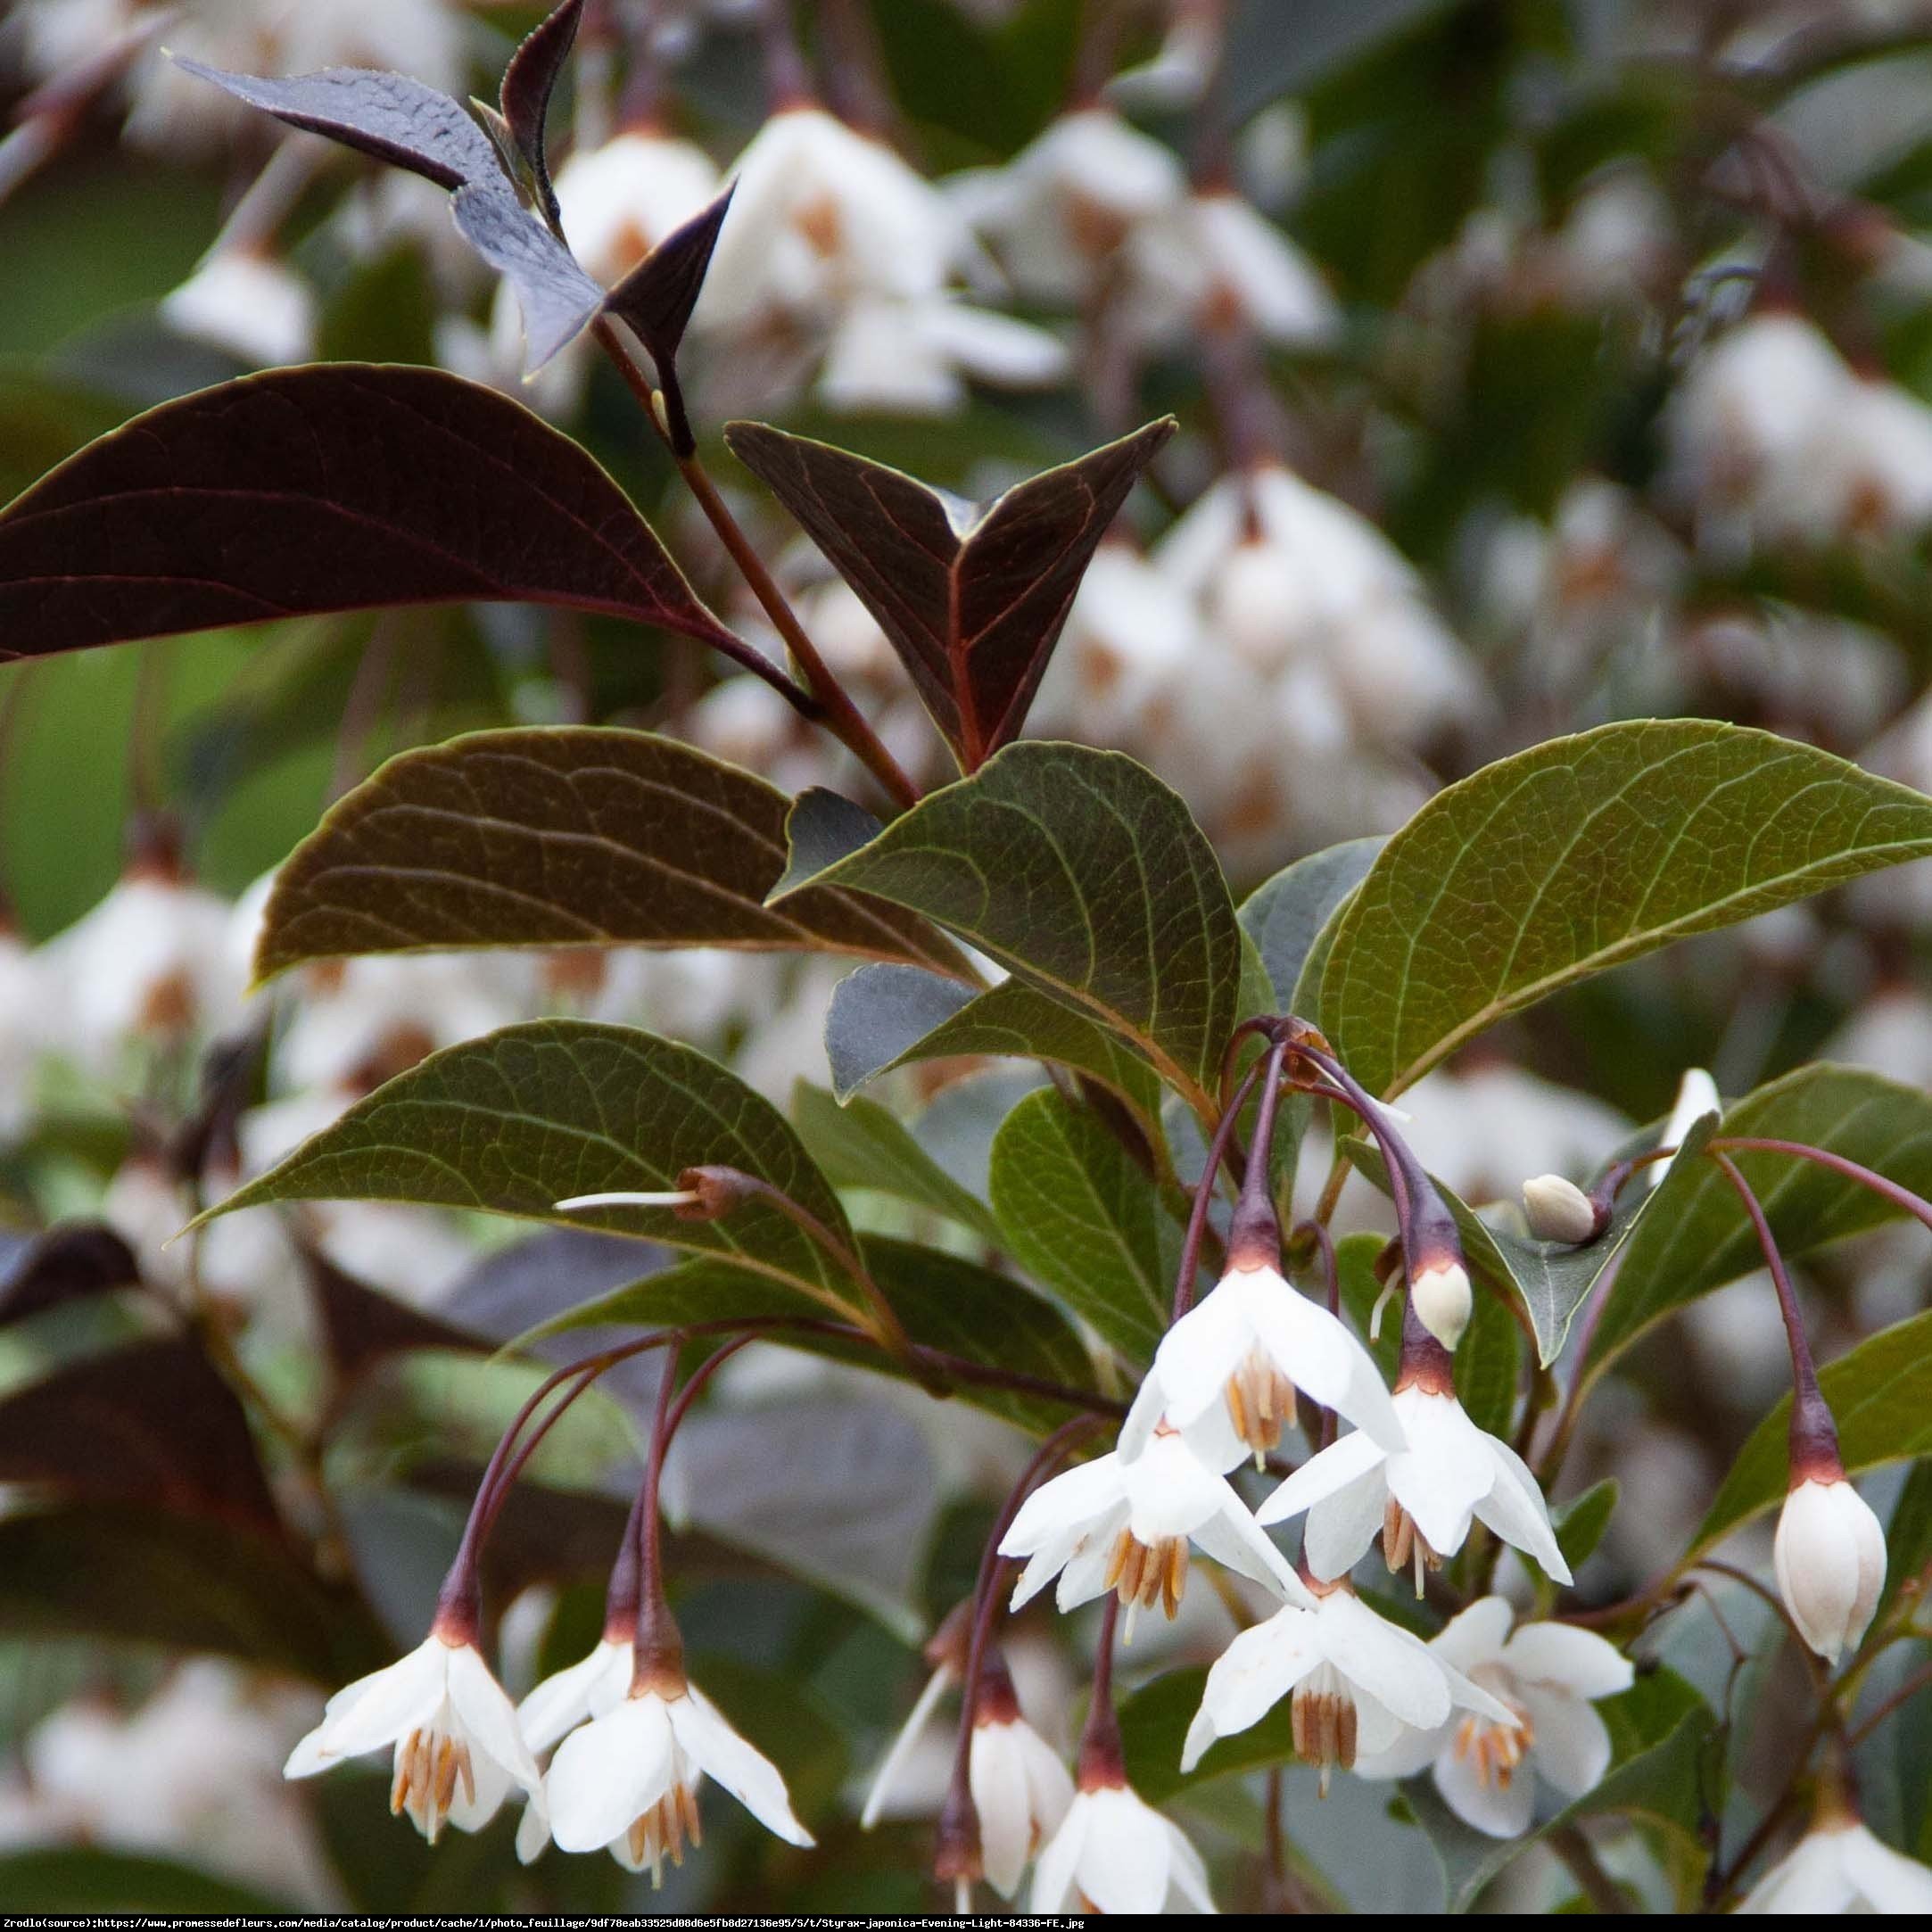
(1286, 573)
(1840, 1867)
(587, 1688)
(150, 965)
(1422, 1498)
(458, 1747)
(1212, 260)
(1125, 1525)
(1547, 1676)
(1019, 1787)
(1060, 212)
(621, 200)
(914, 356)
(247, 303)
(823, 216)
(1356, 1681)
(1240, 1354)
(1115, 1854)
(629, 1778)
(1829, 1558)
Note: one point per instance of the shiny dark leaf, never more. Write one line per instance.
(972, 597)
(338, 487)
(528, 83)
(67, 1263)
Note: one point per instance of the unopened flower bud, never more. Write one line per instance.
(1558, 1210)
(1830, 1558)
(1440, 1294)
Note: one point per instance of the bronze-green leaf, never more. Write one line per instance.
(563, 836)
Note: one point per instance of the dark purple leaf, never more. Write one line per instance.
(657, 297)
(343, 486)
(390, 116)
(401, 120)
(134, 1573)
(972, 599)
(67, 1263)
(361, 1325)
(528, 82)
(149, 1424)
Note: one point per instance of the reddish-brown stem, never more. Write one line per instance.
(1197, 1219)
(1103, 1761)
(1814, 1437)
(1901, 1198)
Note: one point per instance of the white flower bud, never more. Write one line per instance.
(1442, 1300)
(1830, 1556)
(1557, 1209)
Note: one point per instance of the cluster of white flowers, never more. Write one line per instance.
(1775, 438)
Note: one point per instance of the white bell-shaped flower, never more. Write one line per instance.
(248, 303)
(1422, 1498)
(1125, 1526)
(587, 1688)
(1548, 1676)
(1115, 1854)
(458, 1747)
(629, 1778)
(619, 201)
(1358, 1682)
(1238, 1357)
(1841, 1868)
(1019, 1787)
(1830, 1559)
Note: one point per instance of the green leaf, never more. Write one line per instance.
(530, 1115)
(1550, 1280)
(1285, 916)
(563, 836)
(1153, 1727)
(1658, 1730)
(1580, 855)
(1580, 1523)
(883, 1017)
(1881, 1398)
(971, 597)
(92, 1880)
(1705, 1238)
(1081, 872)
(946, 1303)
(861, 1145)
(1489, 1360)
(1908, 1535)
(1354, 1264)
(1078, 1213)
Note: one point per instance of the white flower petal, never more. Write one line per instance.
(533, 1830)
(1127, 1856)
(1187, 1875)
(1892, 1882)
(1571, 1746)
(1410, 1752)
(1064, 1504)
(1085, 1576)
(387, 1704)
(1322, 1475)
(1168, 1492)
(484, 1708)
(998, 1782)
(1393, 1665)
(908, 1740)
(1338, 1532)
(1203, 1348)
(609, 1774)
(736, 1763)
(1059, 1857)
(1447, 1471)
(1811, 1880)
(1476, 1636)
(1252, 1676)
(588, 1687)
(1234, 1539)
(473, 1806)
(1319, 1355)
(1515, 1510)
(1569, 1659)
(1503, 1810)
